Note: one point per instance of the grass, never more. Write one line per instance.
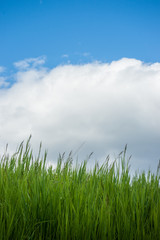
(38, 203)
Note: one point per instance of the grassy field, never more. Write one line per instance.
(37, 202)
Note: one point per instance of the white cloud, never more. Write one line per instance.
(65, 56)
(3, 82)
(86, 54)
(3, 79)
(2, 69)
(103, 105)
(30, 62)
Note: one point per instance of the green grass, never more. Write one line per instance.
(38, 203)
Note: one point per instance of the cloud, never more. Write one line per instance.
(3, 82)
(65, 56)
(2, 69)
(30, 62)
(103, 105)
(86, 54)
(3, 79)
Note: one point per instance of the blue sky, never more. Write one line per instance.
(82, 72)
(85, 31)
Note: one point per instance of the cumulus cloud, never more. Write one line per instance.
(102, 106)
(30, 62)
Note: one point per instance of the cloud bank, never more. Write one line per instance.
(102, 106)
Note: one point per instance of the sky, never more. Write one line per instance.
(81, 76)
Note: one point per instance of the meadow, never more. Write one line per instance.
(42, 203)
